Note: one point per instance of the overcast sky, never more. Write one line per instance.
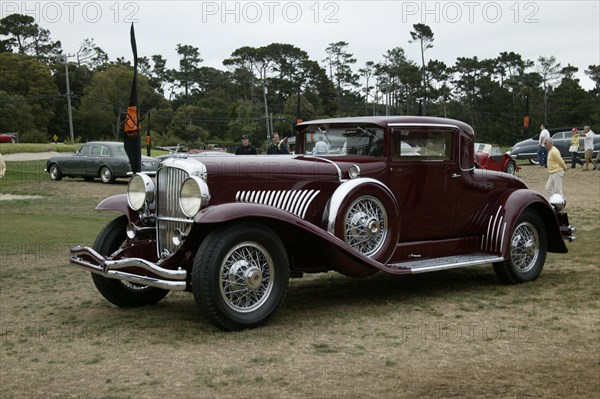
(568, 30)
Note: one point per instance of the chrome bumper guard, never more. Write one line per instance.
(568, 233)
(173, 279)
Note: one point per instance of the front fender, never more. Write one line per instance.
(227, 213)
(117, 203)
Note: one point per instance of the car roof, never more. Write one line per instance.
(385, 121)
(107, 143)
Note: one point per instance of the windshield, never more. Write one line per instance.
(344, 141)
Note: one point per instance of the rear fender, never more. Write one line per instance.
(501, 224)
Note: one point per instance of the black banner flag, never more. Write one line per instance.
(526, 116)
(131, 137)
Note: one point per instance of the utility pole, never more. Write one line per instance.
(64, 58)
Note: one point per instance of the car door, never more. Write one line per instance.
(75, 165)
(424, 176)
(562, 142)
(94, 160)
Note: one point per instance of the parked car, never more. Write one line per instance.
(233, 230)
(8, 138)
(561, 137)
(104, 159)
(488, 156)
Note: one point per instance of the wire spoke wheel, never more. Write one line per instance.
(527, 250)
(247, 274)
(366, 225)
(240, 275)
(525, 247)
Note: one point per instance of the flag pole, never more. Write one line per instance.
(131, 137)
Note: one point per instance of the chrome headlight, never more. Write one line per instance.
(558, 202)
(354, 171)
(140, 191)
(193, 196)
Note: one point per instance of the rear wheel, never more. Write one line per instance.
(54, 172)
(106, 175)
(118, 292)
(240, 276)
(528, 246)
(534, 161)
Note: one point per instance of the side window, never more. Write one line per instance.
(104, 152)
(86, 150)
(96, 150)
(411, 145)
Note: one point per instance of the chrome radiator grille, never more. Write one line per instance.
(168, 214)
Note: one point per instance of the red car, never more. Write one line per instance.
(488, 156)
(8, 138)
(397, 195)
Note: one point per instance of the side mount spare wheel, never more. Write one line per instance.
(364, 213)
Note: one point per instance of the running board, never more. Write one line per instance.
(449, 262)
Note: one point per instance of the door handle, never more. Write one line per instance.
(455, 175)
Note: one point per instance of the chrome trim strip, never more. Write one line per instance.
(422, 125)
(339, 171)
(493, 239)
(502, 237)
(497, 238)
(293, 201)
(485, 237)
(169, 219)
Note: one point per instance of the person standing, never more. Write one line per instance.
(574, 148)
(277, 146)
(2, 167)
(556, 169)
(245, 148)
(542, 154)
(321, 147)
(588, 146)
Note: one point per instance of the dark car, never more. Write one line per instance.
(488, 156)
(397, 195)
(561, 137)
(104, 159)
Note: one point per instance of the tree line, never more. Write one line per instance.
(269, 88)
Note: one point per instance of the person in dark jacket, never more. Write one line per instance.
(277, 146)
(245, 148)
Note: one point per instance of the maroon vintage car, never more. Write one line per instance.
(398, 195)
(488, 156)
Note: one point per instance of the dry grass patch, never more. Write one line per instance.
(458, 333)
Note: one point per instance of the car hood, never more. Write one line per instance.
(526, 143)
(277, 169)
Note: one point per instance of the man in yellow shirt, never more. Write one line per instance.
(556, 169)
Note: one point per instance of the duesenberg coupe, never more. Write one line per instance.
(397, 195)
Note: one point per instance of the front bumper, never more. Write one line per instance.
(90, 260)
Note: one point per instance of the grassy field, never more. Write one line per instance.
(456, 333)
